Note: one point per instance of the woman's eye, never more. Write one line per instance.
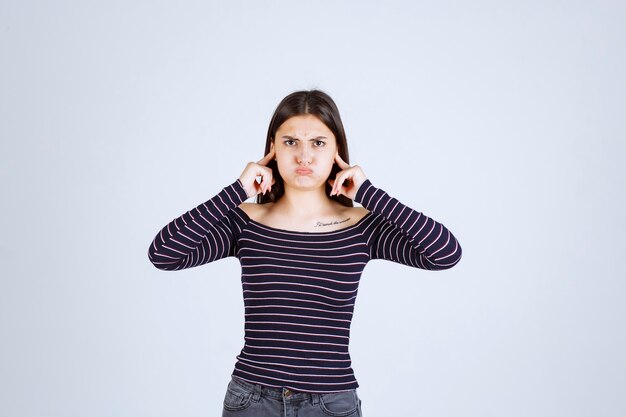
(318, 143)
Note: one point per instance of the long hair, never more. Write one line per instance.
(319, 104)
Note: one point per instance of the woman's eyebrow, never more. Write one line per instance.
(292, 138)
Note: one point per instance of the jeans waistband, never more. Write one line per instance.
(277, 393)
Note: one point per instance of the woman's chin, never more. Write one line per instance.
(305, 182)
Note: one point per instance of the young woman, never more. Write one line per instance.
(302, 248)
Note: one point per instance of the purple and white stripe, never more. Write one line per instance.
(300, 288)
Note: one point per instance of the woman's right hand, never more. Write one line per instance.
(254, 170)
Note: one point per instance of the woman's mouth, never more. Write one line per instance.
(303, 171)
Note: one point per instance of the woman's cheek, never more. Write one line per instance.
(327, 171)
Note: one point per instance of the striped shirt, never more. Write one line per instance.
(299, 288)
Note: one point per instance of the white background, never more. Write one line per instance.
(502, 120)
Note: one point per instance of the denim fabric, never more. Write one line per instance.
(245, 399)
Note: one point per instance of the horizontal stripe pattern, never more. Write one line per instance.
(403, 235)
(201, 235)
(300, 288)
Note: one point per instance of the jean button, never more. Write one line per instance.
(287, 392)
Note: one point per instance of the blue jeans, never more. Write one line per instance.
(245, 399)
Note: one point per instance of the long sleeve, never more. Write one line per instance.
(404, 235)
(201, 235)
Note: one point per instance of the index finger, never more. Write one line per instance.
(267, 158)
(342, 164)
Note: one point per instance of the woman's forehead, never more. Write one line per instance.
(305, 127)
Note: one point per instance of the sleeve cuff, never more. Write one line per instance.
(364, 190)
(237, 186)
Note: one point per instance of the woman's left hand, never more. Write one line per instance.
(354, 175)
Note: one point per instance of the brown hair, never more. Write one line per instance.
(298, 103)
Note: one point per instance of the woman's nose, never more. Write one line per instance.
(305, 155)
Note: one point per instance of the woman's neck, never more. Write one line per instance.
(305, 204)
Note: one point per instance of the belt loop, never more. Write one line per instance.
(315, 398)
(257, 393)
